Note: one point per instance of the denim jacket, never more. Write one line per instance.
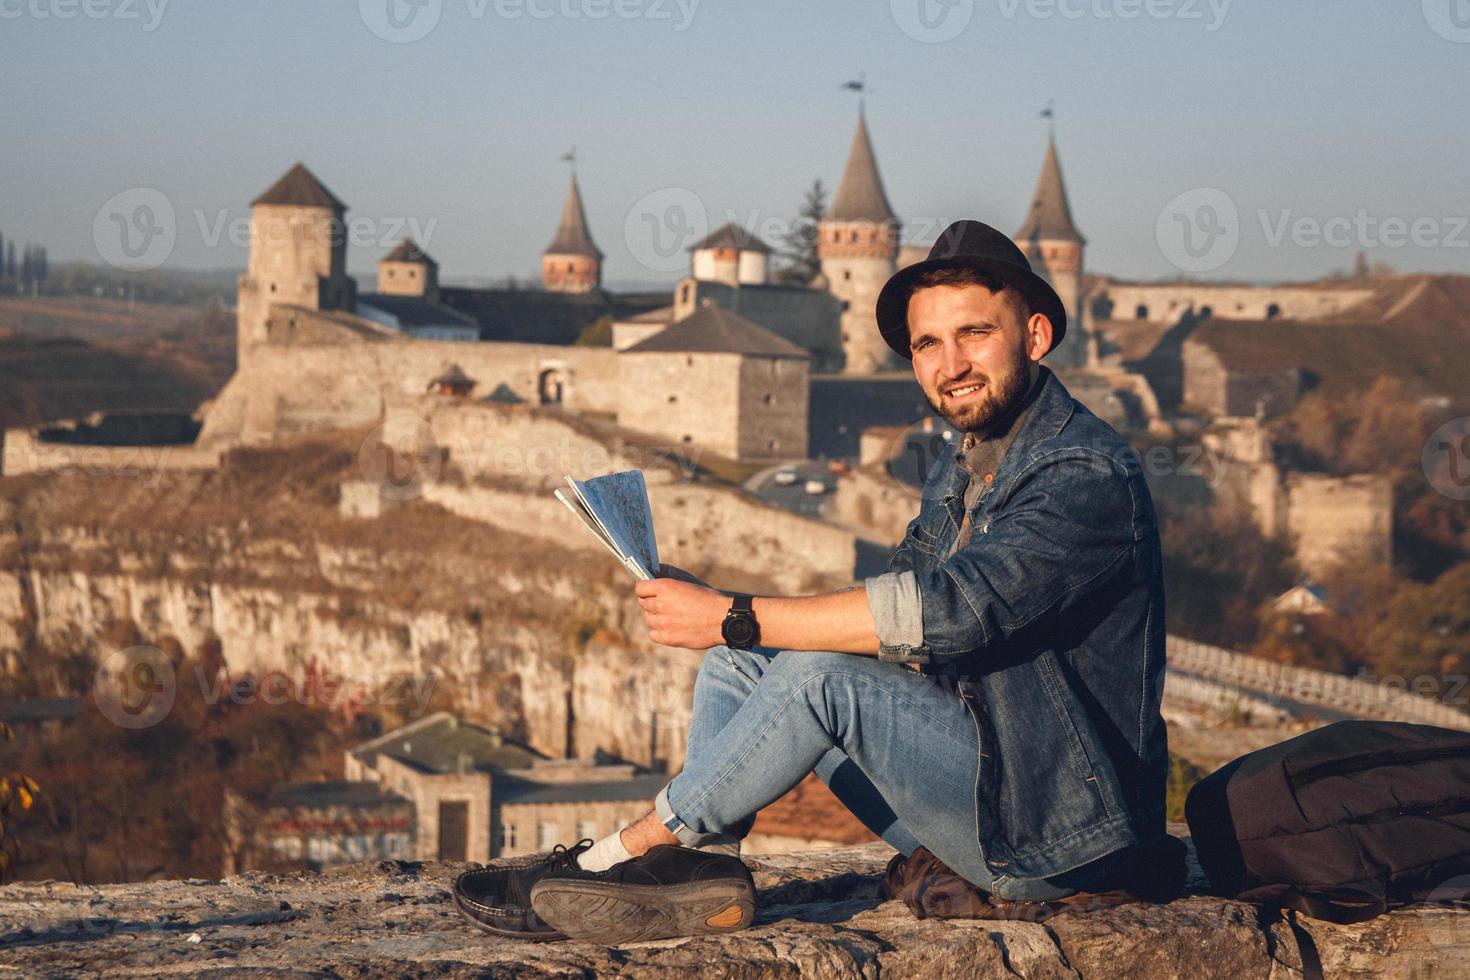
(1050, 622)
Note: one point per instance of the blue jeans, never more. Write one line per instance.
(898, 748)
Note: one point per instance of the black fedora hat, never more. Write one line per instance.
(968, 245)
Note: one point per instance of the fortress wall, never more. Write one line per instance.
(21, 452)
(876, 504)
(1166, 303)
(1334, 520)
(698, 527)
(287, 389)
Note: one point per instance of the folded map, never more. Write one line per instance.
(615, 508)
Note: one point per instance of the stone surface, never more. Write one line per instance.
(821, 916)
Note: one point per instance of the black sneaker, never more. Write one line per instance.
(498, 899)
(669, 891)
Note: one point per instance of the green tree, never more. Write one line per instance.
(798, 248)
(596, 334)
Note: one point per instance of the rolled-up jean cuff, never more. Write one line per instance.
(687, 837)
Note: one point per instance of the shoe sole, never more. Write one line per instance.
(483, 926)
(612, 914)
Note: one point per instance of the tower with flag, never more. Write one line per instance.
(857, 242)
(1054, 246)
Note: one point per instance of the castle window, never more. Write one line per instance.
(1142, 312)
(688, 439)
(771, 444)
(684, 294)
(1273, 311)
(569, 267)
(673, 399)
(508, 836)
(846, 274)
(586, 829)
(273, 287)
(768, 398)
(546, 834)
(688, 360)
(390, 273)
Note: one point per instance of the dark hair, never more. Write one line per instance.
(962, 275)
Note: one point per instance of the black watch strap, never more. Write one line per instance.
(743, 603)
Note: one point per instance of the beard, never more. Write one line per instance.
(1002, 394)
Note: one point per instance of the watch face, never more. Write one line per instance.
(739, 631)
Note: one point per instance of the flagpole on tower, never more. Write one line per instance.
(1050, 115)
(570, 157)
(860, 86)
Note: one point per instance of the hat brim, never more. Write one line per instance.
(893, 300)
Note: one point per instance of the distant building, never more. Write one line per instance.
(857, 242)
(1053, 245)
(1219, 381)
(407, 299)
(298, 256)
(1304, 599)
(572, 263)
(731, 255)
(809, 318)
(316, 825)
(717, 380)
(453, 383)
(477, 795)
(409, 271)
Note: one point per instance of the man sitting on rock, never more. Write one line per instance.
(992, 698)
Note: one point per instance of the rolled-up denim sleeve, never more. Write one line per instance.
(898, 616)
(1066, 531)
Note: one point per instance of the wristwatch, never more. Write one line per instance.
(740, 629)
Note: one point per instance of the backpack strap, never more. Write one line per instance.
(1343, 907)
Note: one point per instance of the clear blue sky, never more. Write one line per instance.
(1321, 109)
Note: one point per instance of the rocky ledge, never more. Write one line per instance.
(821, 916)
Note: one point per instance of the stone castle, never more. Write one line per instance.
(723, 361)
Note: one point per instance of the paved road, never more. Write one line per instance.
(794, 497)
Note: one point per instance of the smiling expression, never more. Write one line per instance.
(975, 353)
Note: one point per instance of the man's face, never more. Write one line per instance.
(974, 353)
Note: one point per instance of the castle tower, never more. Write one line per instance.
(408, 271)
(1054, 246)
(298, 255)
(731, 255)
(857, 242)
(572, 263)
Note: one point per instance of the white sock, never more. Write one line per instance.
(604, 854)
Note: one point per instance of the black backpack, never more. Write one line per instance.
(1339, 823)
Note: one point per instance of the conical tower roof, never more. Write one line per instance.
(300, 188)
(572, 236)
(1050, 217)
(860, 196)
